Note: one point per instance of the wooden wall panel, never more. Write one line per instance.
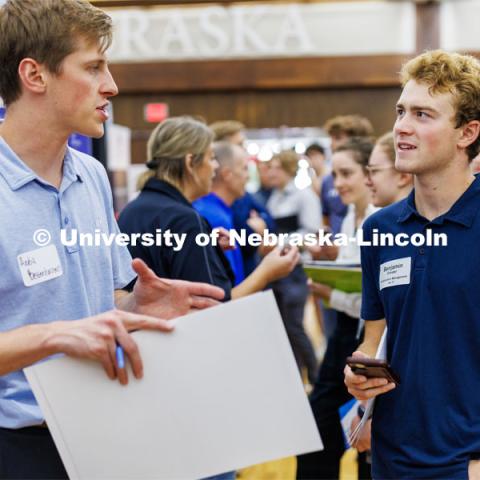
(258, 74)
(261, 109)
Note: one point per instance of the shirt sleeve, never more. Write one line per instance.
(372, 307)
(309, 212)
(349, 303)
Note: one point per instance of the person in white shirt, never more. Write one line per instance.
(349, 164)
(294, 211)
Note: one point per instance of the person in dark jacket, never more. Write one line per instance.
(181, 168)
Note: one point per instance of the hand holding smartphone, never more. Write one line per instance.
(372, 368)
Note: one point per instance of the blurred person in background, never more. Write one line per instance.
(387, 185)
(229, 131)
(315, 154)
(339, 129)
(248, 213)
(349, 169)
(228, 185)
(265, 188)
(298, 211)
(181, 166)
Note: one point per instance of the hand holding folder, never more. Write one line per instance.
(346, 277)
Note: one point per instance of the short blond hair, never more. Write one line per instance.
(349, 125)
(288, 160)
(169, 143)
(453, 73)
(47, 31)
(225, 129)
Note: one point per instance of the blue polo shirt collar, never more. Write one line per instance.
(70, 167)
(212, 196)
(462, 212)
(17, 174)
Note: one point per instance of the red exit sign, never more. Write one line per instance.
(155, 112)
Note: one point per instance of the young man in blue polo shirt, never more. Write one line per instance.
(56, 298)
(428, 425)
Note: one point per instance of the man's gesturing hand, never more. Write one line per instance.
(165, 298)
(97, 338)
(363, 388)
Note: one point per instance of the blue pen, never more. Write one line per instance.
(120, 357)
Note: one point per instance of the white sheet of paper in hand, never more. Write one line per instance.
(219, 393)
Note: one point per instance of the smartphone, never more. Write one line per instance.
(372, 368)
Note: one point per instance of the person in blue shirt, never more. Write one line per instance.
(228, 185)
(252, 216)
(56, 298)
(427, 295)
(249, 212)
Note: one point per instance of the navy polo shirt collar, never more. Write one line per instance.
(18, 174)
(463, 211)
(156, 185)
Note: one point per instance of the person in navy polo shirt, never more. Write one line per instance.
(56, 298)
(428, 426)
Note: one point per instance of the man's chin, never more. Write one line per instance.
(404, 167)
(96, 132)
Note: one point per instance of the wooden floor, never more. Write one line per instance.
(285, 469)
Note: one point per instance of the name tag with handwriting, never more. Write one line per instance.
(40, 265)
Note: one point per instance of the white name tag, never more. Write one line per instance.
(41, 265)
(395, 272)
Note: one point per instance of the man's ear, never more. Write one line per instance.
(404, 179)
(32, 75)
(189, 163)
(225, 172)
(469, 133)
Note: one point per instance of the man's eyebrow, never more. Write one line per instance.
(100, 60)
(417, 108)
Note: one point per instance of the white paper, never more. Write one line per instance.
(219, 393)
(381, 355)
(346, 422)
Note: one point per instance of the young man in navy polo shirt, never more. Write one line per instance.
(55, 298)
(428, 426)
